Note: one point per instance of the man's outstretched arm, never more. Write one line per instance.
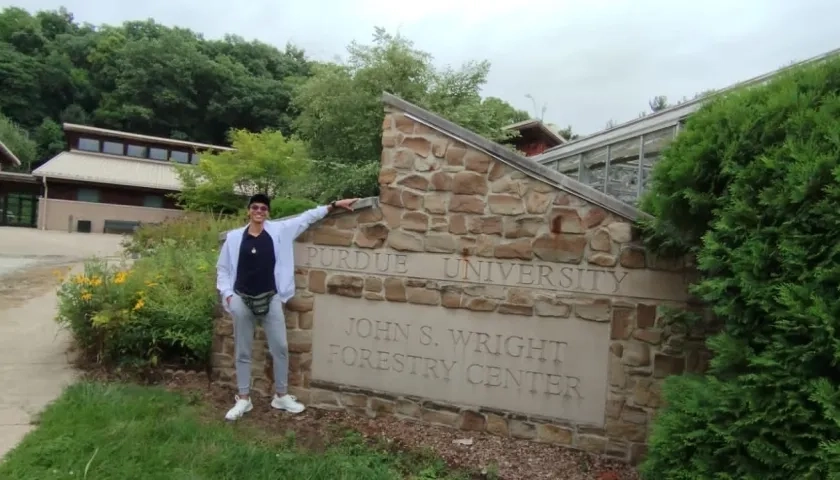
(297, 225)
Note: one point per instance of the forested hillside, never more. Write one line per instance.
(147, 78)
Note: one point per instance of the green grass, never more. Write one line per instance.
(116, 432)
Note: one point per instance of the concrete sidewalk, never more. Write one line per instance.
(34, 365)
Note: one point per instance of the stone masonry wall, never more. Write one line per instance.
(441, 196)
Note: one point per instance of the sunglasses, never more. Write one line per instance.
(259, 208)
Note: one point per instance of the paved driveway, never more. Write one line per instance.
(21, 247)
(34, 357)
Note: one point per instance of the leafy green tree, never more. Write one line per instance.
(143, 77)
(334, 180)
(17, 140)
(751, 188)
(49, 137)
(567, 133)
(18, 98)
(658, 103)
(340, 107)
(266, 162)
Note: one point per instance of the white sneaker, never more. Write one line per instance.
(288, 403)
(241, 407)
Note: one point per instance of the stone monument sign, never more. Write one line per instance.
(482, 291)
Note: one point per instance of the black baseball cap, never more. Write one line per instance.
(259, 198)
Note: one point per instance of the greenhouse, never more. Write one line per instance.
(618, 161)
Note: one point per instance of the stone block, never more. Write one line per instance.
(472, 421)
(371, 236)
(505, 204)
(415, 181)
(415, 221)
(520, 249)
(466, 204)
(405, 241)
(469, 183)
(566, 220)
(477, 161)
(346, 285)
(555, 434)
(560, 248)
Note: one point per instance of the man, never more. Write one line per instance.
(255, 275)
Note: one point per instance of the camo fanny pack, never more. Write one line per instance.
(257, 304)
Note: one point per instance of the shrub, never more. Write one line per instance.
(202, 230)
(284, 207)
(752, 187)
(159, 310)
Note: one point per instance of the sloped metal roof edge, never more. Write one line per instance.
(514, 160)
(44, 171)
(82, 178)
(667, 116)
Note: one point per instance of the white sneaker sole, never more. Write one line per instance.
(277, 406)
(231, 419)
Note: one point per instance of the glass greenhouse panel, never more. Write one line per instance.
(655, 142)
(623, 170)
(593, 167)
(568, 166)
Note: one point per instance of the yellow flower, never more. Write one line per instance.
(79, 279)
(139, 304)
(95, 281)
(86, 296)
(120, 277)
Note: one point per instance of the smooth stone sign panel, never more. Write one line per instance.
(542, 366)
(553, 277)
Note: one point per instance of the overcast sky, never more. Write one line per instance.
(587, 61)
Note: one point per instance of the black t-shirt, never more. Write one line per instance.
(255, 271)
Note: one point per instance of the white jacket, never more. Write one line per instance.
(283, 233)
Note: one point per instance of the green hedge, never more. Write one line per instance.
(283, 207)
(752, 187)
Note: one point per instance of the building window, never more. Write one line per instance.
(157, 154)
(89, 144)
(194, 158)
(179, 156)
(112, 148)
(153, 201)
(87, 195)
(137, 151)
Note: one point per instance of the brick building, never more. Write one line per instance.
(535, 137)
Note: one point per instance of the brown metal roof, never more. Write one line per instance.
(72, 127)
(519, 126)
(111, 170)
